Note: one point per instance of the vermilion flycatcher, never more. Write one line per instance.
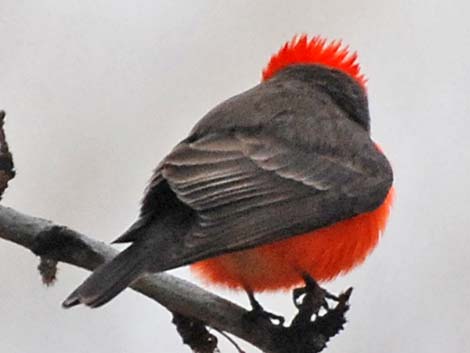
(275, 184)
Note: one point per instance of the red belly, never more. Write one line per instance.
(324, 254)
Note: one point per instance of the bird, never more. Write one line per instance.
(277, 186)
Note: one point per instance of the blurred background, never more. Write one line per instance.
(97, 92)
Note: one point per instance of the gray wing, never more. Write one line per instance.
(250, 188)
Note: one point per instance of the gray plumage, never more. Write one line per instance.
(288, 156)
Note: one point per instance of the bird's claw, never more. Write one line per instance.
(259, 313)
(314, 296)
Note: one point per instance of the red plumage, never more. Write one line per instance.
(301, 50)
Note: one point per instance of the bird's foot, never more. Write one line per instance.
(312, 335)
(312, 296)
(257, 312)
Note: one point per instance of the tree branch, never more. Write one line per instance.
(7, 170)
(63, 244)
(66, 245)
(193, 308)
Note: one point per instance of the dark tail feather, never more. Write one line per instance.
(109, 279)
(136, 231)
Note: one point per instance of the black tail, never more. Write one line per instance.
(152, 250)
(109, 279)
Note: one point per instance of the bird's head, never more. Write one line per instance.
(331, 66)
(316, 51)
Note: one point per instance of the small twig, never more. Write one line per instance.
(48, 270)
(232, 341)
(195, 334)
(7, 171)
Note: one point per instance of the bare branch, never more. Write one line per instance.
(63, 244)
(195, 334)
(7, 171)
(66, 245)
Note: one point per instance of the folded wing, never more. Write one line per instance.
(250, 188)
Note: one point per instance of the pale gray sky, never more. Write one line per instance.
(97, 92)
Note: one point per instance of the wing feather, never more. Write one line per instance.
(247, 186)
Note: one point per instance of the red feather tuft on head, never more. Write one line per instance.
(301, 50)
